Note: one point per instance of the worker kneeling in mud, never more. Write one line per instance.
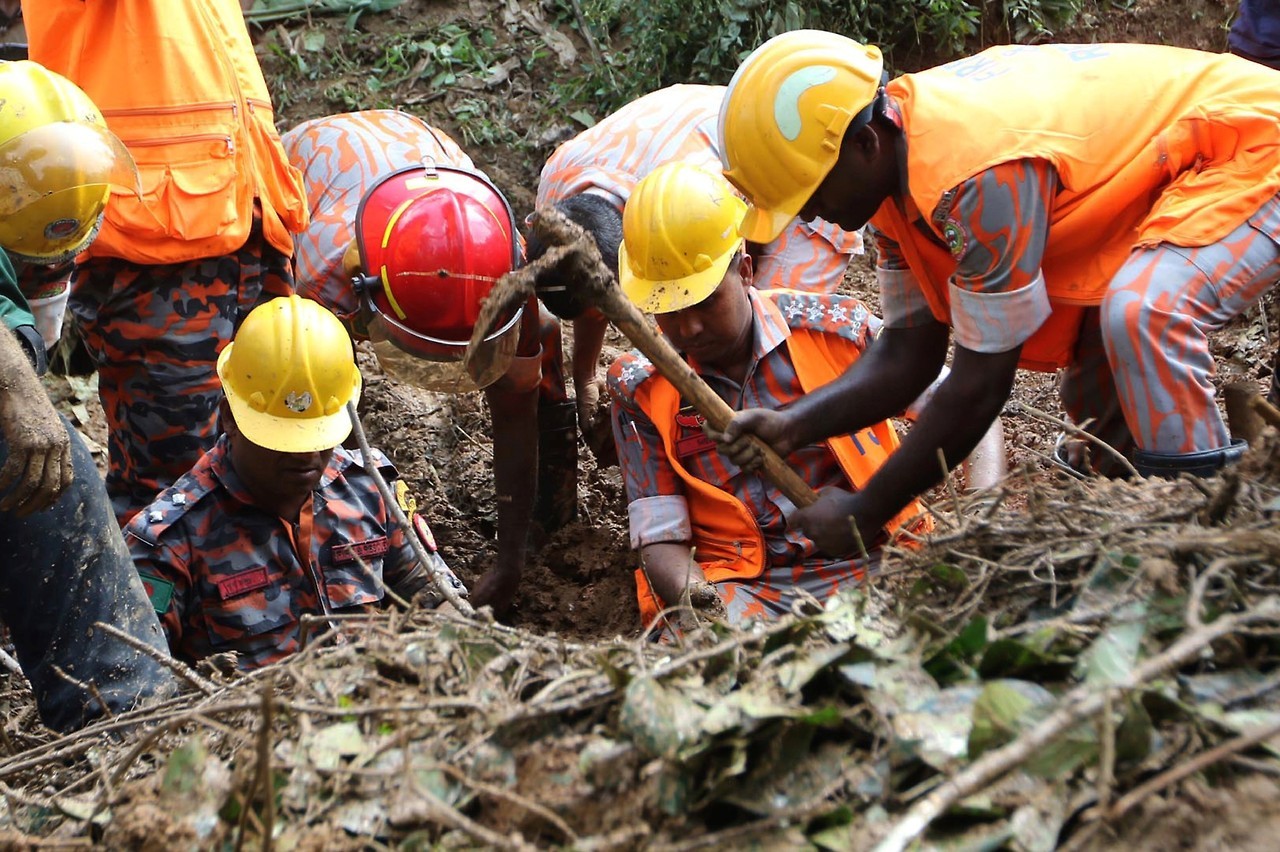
(397, 206)
(278, 520)
(1097, 207)
(695, 517)
(64, 568)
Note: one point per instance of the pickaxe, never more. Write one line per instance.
(573, 256)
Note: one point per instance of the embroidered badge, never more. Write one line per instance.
(690, 439)
(245, 581)
(159, 592)
(364, 549)
(957, 239)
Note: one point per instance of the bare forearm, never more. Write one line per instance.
(670, 568)
(881, 384)
(588, 341)
(515, 469)
(960, 414)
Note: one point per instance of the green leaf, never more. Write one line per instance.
(313, 40)
(661, 721)
(1112, 656)
(583, 117)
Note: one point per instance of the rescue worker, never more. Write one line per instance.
(172, 273)
(694, 517)
(1095, 207)
(64, 567)
(590, 178)
(397, 203)
(277, 521)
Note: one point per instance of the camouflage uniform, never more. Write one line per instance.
(63, 570)
(155, 332)
(224, 575)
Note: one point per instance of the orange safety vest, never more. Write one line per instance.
(730, 545)
(180, 84)
(1151, 144)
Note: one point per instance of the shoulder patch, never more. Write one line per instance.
(843, 316)
(956, 237)
(159, 592)
(151, 523)
(344, 458)
(627, 373)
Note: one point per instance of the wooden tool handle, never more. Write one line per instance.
(656, 348)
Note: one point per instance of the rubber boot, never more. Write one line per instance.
(1202, 463)
(557, 500)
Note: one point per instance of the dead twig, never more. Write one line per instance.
(1200, 761)
(178, 668)
(1079, 705)
(1071, 428)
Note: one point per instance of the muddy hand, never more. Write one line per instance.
(705, 598)
(595, 423)
(38, 467)
(496, 589)
(772, 427)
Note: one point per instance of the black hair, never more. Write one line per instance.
(600, 218)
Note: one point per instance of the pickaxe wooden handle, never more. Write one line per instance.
(631, 322)
(574, 259)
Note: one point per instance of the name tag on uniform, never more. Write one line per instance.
(691, 440)
(245, 581)
(366, 549)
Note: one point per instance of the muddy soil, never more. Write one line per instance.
(579, 583)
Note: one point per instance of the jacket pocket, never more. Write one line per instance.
(186, 161)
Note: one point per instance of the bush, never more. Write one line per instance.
(703, 41)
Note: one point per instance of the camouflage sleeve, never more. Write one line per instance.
(996, 229)
(403, 573)
(168, 584)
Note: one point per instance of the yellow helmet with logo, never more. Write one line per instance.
(58, 163)
(679, 232)
(784, 115)
(288, 376)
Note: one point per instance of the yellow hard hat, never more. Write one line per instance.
(784, 115)
(58, 164)
(288, 376)
(679, 232)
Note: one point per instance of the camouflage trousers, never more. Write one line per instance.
(155, 333)
(61, 571)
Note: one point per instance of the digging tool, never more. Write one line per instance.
(573, 256)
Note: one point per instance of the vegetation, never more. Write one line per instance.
(671, 41)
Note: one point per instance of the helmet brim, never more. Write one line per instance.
(666, 296)
(437, 365)
(292, 435)
(288, 434)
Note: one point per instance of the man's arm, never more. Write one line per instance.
(670, 567)
(37, 468)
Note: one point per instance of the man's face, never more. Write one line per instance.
(716, 332)
(275, 479)
(862, 178)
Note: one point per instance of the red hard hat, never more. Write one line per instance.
(433, 239)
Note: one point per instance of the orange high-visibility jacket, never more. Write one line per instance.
(730, 545)
(180, 85)
(1151, 144)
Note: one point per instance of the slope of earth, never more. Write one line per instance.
(509, 65)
